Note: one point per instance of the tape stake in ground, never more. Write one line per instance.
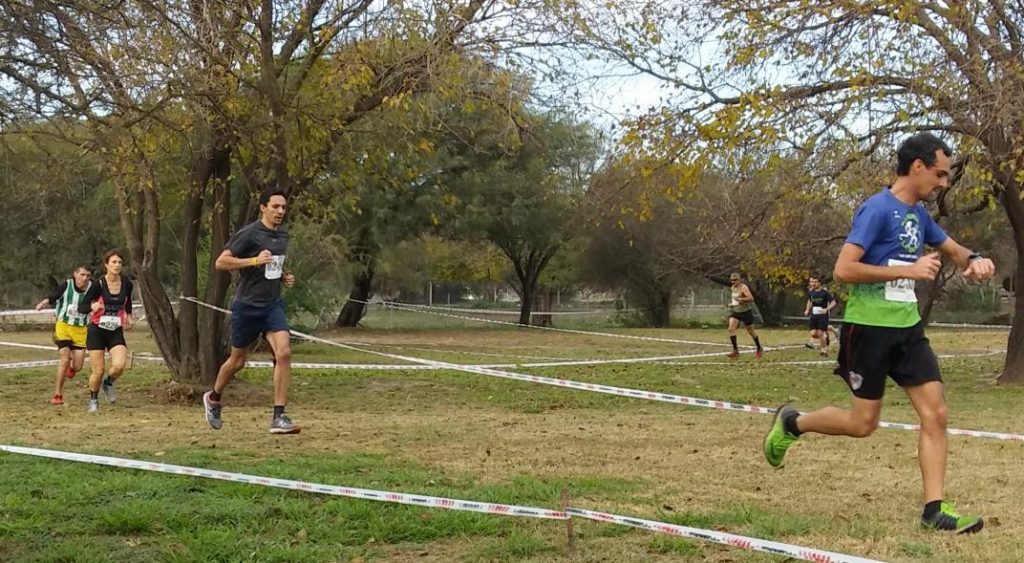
(353, 492)
(755, 544)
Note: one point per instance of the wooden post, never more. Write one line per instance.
(568, 523)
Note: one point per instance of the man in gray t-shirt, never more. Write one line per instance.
(259, 283)
(257, 251)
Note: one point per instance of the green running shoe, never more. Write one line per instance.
(947, 519)
(777, 441)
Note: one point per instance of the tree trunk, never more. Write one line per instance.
(659, 310)
(930, 291)
(542, 305)
(770, 302)
(213, 347)
(527, 294)
(355, 307)
(1013, 369)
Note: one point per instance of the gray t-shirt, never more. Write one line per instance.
(259, 285)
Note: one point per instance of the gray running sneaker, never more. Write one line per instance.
(94, 405)
(212, 411)
(283, 425)
(109, 392)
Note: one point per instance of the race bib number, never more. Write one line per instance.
(109, 322)
(901, 290)
(275, 267)
(819, 311)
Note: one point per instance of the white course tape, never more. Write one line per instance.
(940, 325)
(35, 364)
(824, 362)
(31, 346)
(607, 389)
(512, 312)
(400, 307)
(765, 546)
(611, 390)
(25, 312)
(368, 494)
(967, 325)
(756, 544)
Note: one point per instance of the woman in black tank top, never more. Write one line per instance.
(109, 304)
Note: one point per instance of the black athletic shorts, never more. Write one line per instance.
(867, 354)
(746, 317)
(102, 339)
(819, 322)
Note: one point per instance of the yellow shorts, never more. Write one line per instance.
(67, 336)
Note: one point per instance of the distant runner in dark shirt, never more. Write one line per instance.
(819, 304)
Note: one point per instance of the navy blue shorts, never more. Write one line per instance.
(248, 322)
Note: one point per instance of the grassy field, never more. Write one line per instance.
(474, 437)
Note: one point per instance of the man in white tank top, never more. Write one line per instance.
(741, 310)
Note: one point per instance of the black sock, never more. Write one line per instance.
(734, 347)
(107, 381)
(278, 411)
(931, 509)
(757, 343)
(94, 395)
(214, 396)
(789, 424)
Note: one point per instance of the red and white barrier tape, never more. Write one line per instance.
(755, 544)
(31, 346)
(35, 364)
(400, 307)
(511, 312)
(824, 362)
(608, 389)
(940, 325)
(25, 312)
(968, 325)
(776, 548)
(368, 494)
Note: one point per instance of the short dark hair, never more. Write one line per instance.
(268, 193)
(82, 266)
(110, 254)
(922, 146)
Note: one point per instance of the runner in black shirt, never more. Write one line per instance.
(819, 304)
(109, 302)
(257, 252)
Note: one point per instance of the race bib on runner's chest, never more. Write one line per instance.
(819, 310)
(275, 267)
(109, 322)
(901, 290)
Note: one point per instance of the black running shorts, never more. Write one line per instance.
(746, 317)
(868, 354)
(102, 339)
(819, 322)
